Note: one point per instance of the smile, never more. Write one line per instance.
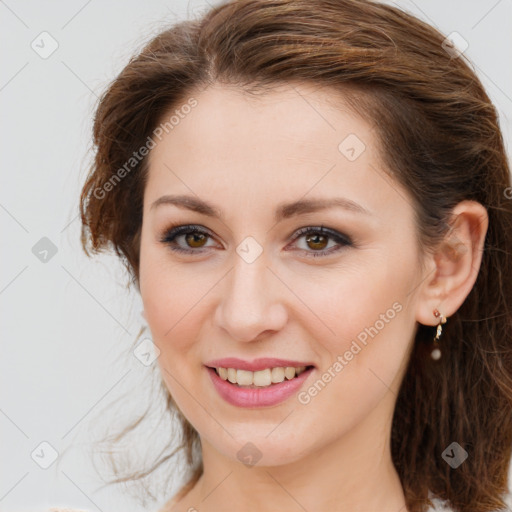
(261, 378)
(261, 388)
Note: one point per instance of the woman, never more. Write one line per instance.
(313, 200)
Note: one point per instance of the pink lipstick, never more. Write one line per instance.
(258, 396)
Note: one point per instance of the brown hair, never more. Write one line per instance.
(440, 138)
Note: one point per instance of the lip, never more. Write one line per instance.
(258, 364)
(257, 397)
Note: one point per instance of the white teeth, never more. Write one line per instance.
(244, 378)
(261, 378)
(277, 375)
(289, 372)
(232, 375)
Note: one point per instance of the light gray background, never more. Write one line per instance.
(64, 322)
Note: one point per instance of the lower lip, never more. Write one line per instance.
(257, 397)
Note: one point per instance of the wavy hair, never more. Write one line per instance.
(440, 138)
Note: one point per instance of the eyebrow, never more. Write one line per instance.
(283, 211)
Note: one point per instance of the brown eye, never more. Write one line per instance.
(191, 239)
(318, 242)
(196, 239)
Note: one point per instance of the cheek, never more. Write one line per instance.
(362, 363)
(364, 314)
(168, 296)
(169, 307)
(355, 296)
(172, 305)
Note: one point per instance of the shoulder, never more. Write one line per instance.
(167, 507)
(66, 509)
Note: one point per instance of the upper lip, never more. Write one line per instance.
(257, 364)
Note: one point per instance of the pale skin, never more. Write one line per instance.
(245, 156)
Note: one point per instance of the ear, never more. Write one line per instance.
(452, 268)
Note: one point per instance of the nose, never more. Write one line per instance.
(251, 305)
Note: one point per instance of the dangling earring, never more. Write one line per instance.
(436, 352)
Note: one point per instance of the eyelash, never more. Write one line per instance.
(175, 231)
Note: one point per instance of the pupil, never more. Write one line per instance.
(196, 237)
(314, 240)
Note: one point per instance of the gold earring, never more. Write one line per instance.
(436, 352)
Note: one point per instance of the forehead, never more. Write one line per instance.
(291, 141)
(294, 121)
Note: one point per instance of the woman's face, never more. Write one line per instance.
(253, 287)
